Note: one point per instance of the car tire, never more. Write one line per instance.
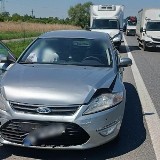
(118, 48)
(139, 45)
(116, 139)
(144, 46)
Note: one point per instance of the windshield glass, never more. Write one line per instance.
(68, 51)
(153, 26)
(132, 23)
(105, 24)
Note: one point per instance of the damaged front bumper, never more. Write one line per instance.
(60, 132)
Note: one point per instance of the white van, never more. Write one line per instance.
(148, 28)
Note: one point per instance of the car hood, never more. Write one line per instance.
(54, 84)
(111, 32)
(154, 34)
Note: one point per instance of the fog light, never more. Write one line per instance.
(109, 129)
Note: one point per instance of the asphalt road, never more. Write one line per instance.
(134, 142)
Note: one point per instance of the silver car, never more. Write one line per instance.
(64, 92)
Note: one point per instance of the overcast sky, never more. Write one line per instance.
(59, 8)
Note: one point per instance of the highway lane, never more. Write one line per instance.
(134, 142)
(148, 63)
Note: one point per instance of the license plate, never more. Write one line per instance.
(158, 46)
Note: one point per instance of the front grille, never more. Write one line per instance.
(156, 39)
(54, 110)
(132, 31)
(15, 131)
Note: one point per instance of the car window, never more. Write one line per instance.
(3, 50)
(153, 26)
(105, 24)
(71, 51)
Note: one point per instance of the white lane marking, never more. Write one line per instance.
(151, 115)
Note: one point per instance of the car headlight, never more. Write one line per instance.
(103, 102)
(2, 105)
(117, 37)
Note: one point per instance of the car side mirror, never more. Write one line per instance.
(142, 30)
(7, 58)
(125, 62)
(87, 28)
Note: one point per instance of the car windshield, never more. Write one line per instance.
(153, 26)
(105, 24)
(132, 23)
(68, 51)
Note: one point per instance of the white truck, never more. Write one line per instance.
(108, 19)
(148, 28)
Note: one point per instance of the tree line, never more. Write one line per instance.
(78, 15)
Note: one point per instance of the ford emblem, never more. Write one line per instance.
(43, 110)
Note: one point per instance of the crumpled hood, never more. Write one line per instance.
(54, 84)
(111, 32)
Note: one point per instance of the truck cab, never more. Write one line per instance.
(151, 34)
(108, 19)
(148, 28)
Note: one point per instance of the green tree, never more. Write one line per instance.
(16, 17)
(26, 17)
(80, 14)
(5, 16)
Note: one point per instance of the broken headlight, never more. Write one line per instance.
(103, 102)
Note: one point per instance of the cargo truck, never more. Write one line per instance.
(108, 19)
(148, 28)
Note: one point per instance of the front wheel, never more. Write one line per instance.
(118, 48)
(139, 45)
(144, 46)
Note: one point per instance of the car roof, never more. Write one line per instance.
(75, 34)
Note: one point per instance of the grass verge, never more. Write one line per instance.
(16, 30)
(18, 47)
(16, 35)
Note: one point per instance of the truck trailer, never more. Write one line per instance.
(108, 19)
(148, 28)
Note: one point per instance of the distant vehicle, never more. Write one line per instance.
(131, 26)
(64, 92)
(148, 28)
(108, 19)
